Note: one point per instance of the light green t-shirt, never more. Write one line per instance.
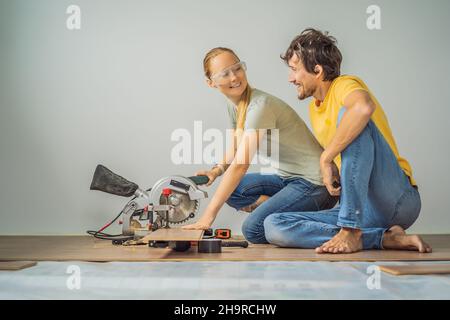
(298, 150)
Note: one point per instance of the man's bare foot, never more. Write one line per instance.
(396, 238)
(346, 241)
(255, 205)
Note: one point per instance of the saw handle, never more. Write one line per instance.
(199, 180)
(243, 244)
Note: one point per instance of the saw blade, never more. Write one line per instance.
(183, 207)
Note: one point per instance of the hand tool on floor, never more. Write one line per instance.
(171, 200)
(215, 245)
(203, 246)
(217, 233)
(222, 233)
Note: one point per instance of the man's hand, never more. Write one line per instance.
(211, 174)
(330, 176)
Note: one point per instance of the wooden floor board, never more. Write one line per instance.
(16, 265)
(173, 234)
(86, 248)
(416, 269)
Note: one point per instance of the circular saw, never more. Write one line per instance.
(171, 200)
(184, 198)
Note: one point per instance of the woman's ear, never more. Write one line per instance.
(210, 83)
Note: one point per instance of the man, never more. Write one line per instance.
(379, 197)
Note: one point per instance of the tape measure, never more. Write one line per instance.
(222, 233)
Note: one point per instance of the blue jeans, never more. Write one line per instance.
(286, 194)
(375, 195)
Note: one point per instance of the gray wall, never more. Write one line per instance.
(114, 91)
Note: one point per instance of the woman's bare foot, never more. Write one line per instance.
(396, 238)
(346, 241)
(255, 205)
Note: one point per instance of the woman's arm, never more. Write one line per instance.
(236, 136)
(222, 166)
(233, 175)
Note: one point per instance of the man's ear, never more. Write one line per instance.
(318, 70)
(210, 83)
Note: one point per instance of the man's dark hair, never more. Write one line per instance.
(314, 47)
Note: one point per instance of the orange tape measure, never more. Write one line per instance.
(222, 233)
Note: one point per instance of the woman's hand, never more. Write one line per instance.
(199, 225)
(211, 174)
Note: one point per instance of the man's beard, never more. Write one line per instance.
(304, 94)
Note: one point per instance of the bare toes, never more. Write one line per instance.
(322, 249)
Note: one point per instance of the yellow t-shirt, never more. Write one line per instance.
(324, 117)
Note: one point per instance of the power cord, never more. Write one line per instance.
(105, 236)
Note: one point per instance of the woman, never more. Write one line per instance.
(297, 184)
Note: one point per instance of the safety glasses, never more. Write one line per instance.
(224, 76)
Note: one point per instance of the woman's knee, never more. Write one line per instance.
(253, 231)
(280, 232)
(238, 199)
(233, 201)
(272, 231)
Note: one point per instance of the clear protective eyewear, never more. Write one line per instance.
(224, 75)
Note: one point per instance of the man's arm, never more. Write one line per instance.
(359, 108)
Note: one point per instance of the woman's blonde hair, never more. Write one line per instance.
(245, 98)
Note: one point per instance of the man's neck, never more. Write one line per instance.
(321, 91)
